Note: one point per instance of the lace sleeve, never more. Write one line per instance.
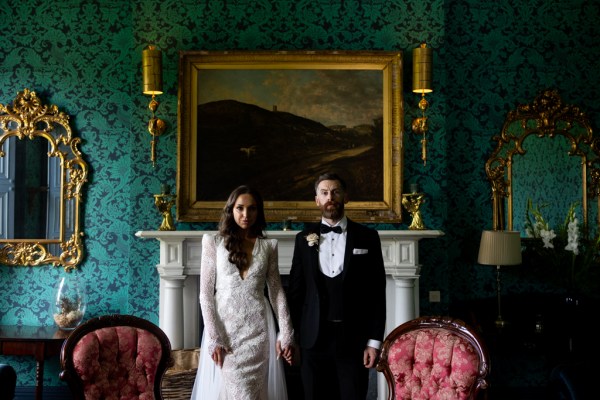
(277, 297)
(208, 277)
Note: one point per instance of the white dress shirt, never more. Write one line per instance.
(332, 247)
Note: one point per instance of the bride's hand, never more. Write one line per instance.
(288, 354)
(218, 355)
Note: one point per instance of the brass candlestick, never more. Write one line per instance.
(164, 202)
(412, 203)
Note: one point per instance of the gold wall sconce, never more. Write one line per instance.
(422, 83)
(153, 85)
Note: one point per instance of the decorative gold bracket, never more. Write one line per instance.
(420, 126)
(156, 127)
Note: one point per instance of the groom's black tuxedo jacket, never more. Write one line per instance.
(363, 288)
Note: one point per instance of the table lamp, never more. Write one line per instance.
(499, 248)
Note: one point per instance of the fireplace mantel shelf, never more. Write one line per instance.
(180, 255)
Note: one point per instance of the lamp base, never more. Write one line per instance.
(500, 323)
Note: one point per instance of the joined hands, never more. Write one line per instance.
(287, 353)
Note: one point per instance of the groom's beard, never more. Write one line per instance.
(332, 210)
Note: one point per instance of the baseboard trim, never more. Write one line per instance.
(50, 393)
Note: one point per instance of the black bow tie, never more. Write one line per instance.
(327, 229)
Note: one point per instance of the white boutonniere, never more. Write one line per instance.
(312, 239)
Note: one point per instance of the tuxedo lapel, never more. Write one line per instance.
(314, 253)
(350, 236)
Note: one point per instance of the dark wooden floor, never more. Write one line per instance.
(294, 384)
(295, 393)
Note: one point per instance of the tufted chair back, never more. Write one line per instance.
(434, 358)
(115, 357)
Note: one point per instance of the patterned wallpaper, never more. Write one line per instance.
(85, 57)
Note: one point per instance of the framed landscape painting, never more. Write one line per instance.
(277, 120)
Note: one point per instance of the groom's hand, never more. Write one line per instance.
(370, 356)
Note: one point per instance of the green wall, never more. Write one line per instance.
(85, 57)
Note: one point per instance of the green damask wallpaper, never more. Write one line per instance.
(85, 57)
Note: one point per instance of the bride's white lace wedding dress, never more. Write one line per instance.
(237, 316)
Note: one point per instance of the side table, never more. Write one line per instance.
(38, 341)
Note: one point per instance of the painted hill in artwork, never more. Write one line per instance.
(281, 153)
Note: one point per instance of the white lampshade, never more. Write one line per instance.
(500, 248)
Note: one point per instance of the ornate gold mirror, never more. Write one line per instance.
(545, 153)
(42, 174)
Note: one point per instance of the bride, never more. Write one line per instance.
(241, 354)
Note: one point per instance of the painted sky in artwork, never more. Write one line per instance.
(331, 97)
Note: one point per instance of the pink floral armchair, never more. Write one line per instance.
(434, 358)
(115, 357)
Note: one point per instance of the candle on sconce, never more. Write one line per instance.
(165, 189)
(287, 224)
(414, 187)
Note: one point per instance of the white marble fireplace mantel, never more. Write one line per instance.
(179, 269)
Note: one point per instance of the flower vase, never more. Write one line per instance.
(69, 302)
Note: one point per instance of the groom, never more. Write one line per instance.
(337, 298)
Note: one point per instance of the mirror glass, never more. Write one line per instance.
(42, 173)
(545, 166)
(545, 153)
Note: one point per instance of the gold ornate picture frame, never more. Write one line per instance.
(277, 120)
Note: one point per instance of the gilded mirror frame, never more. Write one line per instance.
(28, 118)
(546, 117)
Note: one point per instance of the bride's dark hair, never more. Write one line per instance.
(232, 233)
